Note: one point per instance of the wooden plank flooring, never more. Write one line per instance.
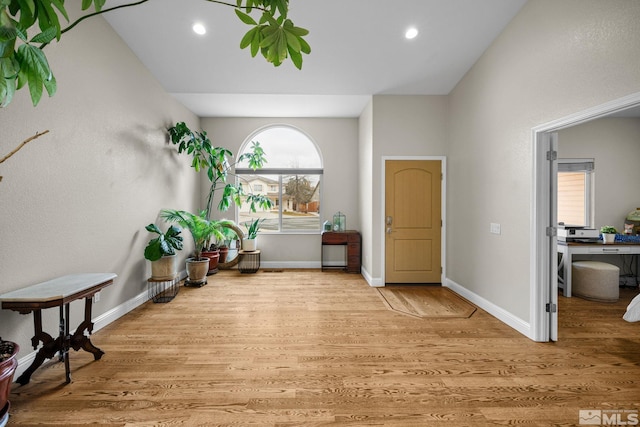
(304, 347)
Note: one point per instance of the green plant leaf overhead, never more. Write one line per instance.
(273, 35)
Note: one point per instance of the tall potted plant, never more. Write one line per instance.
(8, 365)
(202, 230)
(161, 251)
(216, 162)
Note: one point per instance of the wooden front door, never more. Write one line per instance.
(413, 222)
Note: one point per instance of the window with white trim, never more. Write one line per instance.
(291, 179)
(575, 195)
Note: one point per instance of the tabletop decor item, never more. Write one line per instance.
(608, 233)
(339, 222)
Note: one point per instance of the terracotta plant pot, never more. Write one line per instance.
(213, 256)
(224, 251)
(8, 365)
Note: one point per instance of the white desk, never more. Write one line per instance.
(568, 249)
(58, 292)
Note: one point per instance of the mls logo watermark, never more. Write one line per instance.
(609, 417)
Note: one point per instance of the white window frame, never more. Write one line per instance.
(586, 166)
(279, 172)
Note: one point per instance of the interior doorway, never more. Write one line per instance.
(412, 218)
(544, 280)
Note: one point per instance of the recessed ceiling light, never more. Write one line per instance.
(199, 28)
(411, 33)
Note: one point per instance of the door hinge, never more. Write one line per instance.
(551, 308)
(551, 232)
(552, 155)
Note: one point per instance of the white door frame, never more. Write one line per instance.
(540, 278)
(443, 237)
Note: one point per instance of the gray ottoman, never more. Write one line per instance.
(595, 280)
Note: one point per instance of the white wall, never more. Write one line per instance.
(337, 140)
(555, 58)
(78, 199)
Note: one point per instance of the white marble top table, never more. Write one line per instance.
(59, 289)
(58, 293)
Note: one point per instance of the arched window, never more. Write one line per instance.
(291, 178)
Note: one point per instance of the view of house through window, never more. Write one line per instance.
(574, 191)
(291, 179)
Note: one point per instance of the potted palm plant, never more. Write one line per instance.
(161, 251)
(202, 230)
(215, 248)
(8, 365)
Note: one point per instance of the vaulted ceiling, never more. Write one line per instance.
(358, 50)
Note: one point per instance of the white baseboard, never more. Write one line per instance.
(374, 282)
(498, 312)
(98, 323)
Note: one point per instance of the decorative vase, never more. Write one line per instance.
(249, 245)
(165, 268)
(633, 218)
(608, 238)
(8, 365)
(214, 257)
(197, 271)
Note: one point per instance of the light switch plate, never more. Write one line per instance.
(495, 228)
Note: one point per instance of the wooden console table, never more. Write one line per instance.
(353, 242)
(60, 293)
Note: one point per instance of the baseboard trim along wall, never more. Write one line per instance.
(98, 323)
(498, 312)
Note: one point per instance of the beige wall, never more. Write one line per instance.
(365, 190)
(614, 144)
(401, 126)
(554, 59)
(78, 199)
(337, 140)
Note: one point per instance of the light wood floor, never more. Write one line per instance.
(303, 347)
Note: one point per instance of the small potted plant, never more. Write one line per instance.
(8, 365)
(161, 251)
(249, 242)
(608, 234)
